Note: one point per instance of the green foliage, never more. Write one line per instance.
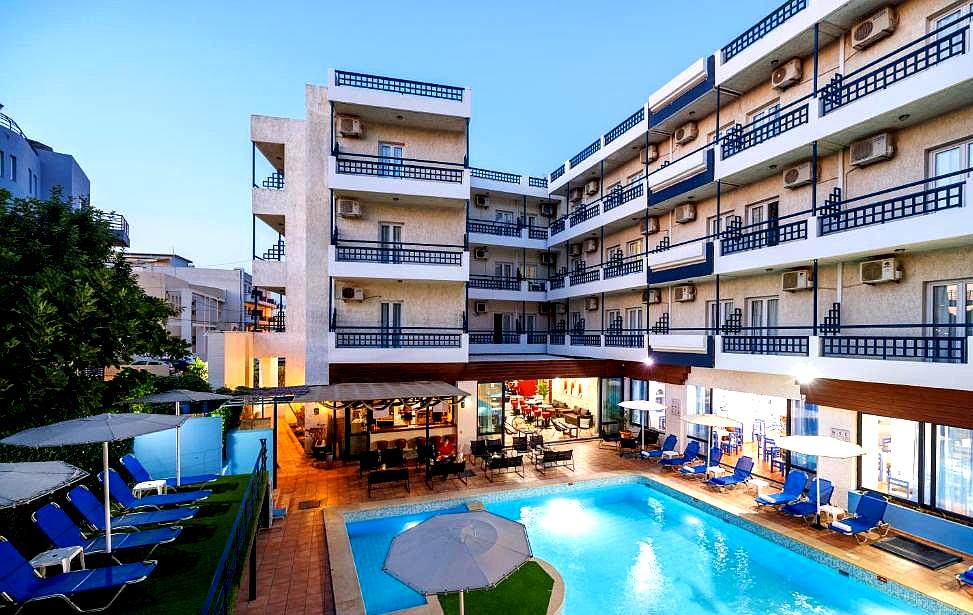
(542, 388)
(199, 369)
(525, 592)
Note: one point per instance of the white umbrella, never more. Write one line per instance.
(711, 421)
(820, 446)
(24, 482)
(643, 406)
(101, 428)
(458, 552)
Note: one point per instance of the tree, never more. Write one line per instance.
(70, 307)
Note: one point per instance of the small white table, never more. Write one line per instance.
(834, 512)
(139, 489)
(759, 484)
(671, 454)
(57, 557)
(715, 471)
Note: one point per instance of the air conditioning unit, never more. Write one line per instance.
(481, 200)
(797, 176)
(591, 187)
(590, 245)
(651, 296)
(547, 258)
(683, 294)
(879, 271)
(873, 29)
(873, 149)
(479, 307)
(650, 226)
(649, 153)
(685, 213)
(349, 126)
(575, 249)
(480, 253)
(591, 304)
(562, 308)
(787, 74)
(686, 133)
(543, 308)
(796, 280)
(576, 195)
(348, 208)
(349, 293)
(548, 209)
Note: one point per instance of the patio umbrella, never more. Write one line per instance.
(24, 482)
(177, 396)
(458, 552)
(643, 406)
(103, 428)
(711, 421)
(820, 446)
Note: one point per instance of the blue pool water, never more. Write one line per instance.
(630, 549)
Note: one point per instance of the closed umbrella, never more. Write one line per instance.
(711, 421)
(643, 406)
(103, 428)
(26, 481)
(820, 446)
(458, 552)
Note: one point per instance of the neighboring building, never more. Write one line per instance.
(30, 169)
(782, 233)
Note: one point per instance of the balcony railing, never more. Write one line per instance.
(497, 176)
(584, 277)
(537, 232)
(916, 56)
(276, 324)
(585, 153)
(536, 338)
(399, 168)
(274, 181)
(896, 348)
(493, 337)
(763, 27)
(741, 137)
(117, 225)
(401, 337)
(626, 125)
(624, 339)
(558, 172)
(763, 235)
(537, 182)
(7, 122)
(494, 283)
(794, 345)
(401, 86)
(556, 339)
(584, 212)
(487, 227)
(275, 252)
(557, 226)
(623, 195)
(398, 253)
(624, 266)
(556, 282)
(586, 339)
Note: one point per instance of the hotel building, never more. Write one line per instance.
(781, 233)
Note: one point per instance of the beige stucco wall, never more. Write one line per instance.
(517, 309)
(419, 143)
(425, 304)
(428, 224)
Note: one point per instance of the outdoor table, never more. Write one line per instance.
(835, 512)
(670, 454)
(759, 484)
(715, 471)
(57, 557)
(139, 489)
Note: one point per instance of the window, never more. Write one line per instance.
(950, 305)
(507, 217)
(762, 314)
(530, 321)
(611, 413)
(503, 270)
(954, 470)
(615, 252)
(489, 408)
(804, 422)
(390, 237)
(634, 177)
(699, 400)
(949, 16)
(13, 168)
(281, 371)
(890, 463)
(711, 223)
(633, 317)
(951, 159)
(614, 320)
(713, 320)
(577, 322)
(391, 159)
(765, 115)
(635, 247)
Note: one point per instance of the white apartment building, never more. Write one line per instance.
(782, 233)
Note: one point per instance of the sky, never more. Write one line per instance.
(154, 98)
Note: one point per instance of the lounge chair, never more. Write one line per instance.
(20, 584)
(868, 517)
(965, 577)
(668, 445)
(140, 475)
(62, 532)
(715, 455)
(688, 456)
(807, 507)
(793, 489)
(120, 492)
(92, 510)
(741, 474)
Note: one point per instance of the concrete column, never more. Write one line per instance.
(466, 417)
(843, 473)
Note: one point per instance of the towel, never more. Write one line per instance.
(843, 527)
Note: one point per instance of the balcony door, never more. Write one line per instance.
(614, 321)
(504, 217)
(634, 316)
(391, 324)
(951, 159)
(763, 316)
(502, 323)
(390, 238)
(951, 306)
(503, 270)
(717, 318)
(390, 163)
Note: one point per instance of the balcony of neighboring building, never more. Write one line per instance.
(616, 273)
(351, 258)
(513, 183)
(118, 226)
(269, 190)
(360, 90)
(503, 325)
(688, 96)
(507, 288)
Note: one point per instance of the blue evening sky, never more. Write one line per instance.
(154, 98)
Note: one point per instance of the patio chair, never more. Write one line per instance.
(807, 507)
(668, 445)
(627, 445)
(608, 438)
(869, 514)
(792, 491)
(478, 449)
(139, 474)
(741, 474)
(62, 532)
(688, 456)
(715, 455)
(965, 577)
(20, 585)
(92, 510)
(519, 444)
(393, 457)
(123, 495)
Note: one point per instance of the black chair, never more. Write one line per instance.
(369, 460)
(627, 446)
(393, 457)
(478, 449)
(494, 446)
(520, 444)
(424, 453)
(536, 440)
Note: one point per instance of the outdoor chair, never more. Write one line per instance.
(92, 510)
(139, 474)
(808, 508)
(519, 444)
(608, 438)
(478, 449)
(554, 459)
(62, 532)
(456, 469)
(394, 477)
(699, 470)
(502, 465)
(792, 491)
(741, 474)
(688, 456)
(393, 457)
(20, 585)
(668, 445)
(124, 496)
(369, 460)
(965, 578)
(627, 446)
(869, 515)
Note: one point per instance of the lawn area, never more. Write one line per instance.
(525, 592)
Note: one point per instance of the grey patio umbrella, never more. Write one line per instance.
(103, 428)
(177, 396)
(458, 552)
(26, 481)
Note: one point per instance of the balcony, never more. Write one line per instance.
(742, 137)
(367, 344)
(507, 342)
(612, 276)
(398, 261)
(762, 28)
(620, 203)
(896, 348)
(506, 289)
(684, 176)
(670, 263)
(626, 133)
(767, 234)
(506, 234)
(794, 345)
(409, 176)
(406, 94)
(118, 227)
(690, 91)
(501, 181)
(692, 347)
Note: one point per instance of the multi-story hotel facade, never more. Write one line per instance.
(782, 233)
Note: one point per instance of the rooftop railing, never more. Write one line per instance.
(626, 125)
(586, 153)
(400, 86)
(763, 27)
(497, 176)
(7, 122)
(556, 173)
(399, 168)
(537, 182)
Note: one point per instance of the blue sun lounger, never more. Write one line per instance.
(741, 474)
(62, 532)
(120, 492)
(92, 510)
(20, 585)
(793, 490)
(868, 516)
(807, 507)
(715, 455)
(688, 456)
(668, 445)
(965, 577)
(139, 474)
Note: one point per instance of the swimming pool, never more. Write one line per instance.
(630, 549)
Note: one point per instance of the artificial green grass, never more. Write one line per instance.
(526, 592)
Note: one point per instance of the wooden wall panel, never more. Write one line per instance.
(944, 406)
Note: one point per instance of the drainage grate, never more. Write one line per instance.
(308, 504)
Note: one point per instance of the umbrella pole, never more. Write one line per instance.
(104, 463)
(817, 504)
(178, 458)
(177, 408)
(709, 448)
(462, 607)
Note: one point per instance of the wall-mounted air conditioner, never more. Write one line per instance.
(799, 279)
(590, 245)
(649, 153)
(349, 126)
(481, 253)
(591, 187)
(481, 200)
(576, 194)
(350, 293)
(787, 74)
(685, 213)
(348, 208)
(591, 304)
(873, 149)
(880, 271)
(480, 307)
(874, 28)
(575, 249)
(797, 176)
(686, 133)
(651, 296)
(650, 226)
(683, 294)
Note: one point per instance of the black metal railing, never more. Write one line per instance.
(557, 226)
(275, 324)
(497, 176)
(585, 212)
(402, 168)
(398, 253)
(401, 337)
(585, 153)
(558, 172)
(625, 266)
(626, 124)
(401, 86)
(763, 27)
(766, 344)
(219, 598)
(494, 283)
(625, 339)
(892, 67)
(7, 122)
(556, 282)
(764, 235)
(617, 197)
(537, 232)
(556, 339)
(493, 337)
(536, 338)
(537, 182)
(584, 277)
(274, 181)
(741, 137)
(487, 227)
(275, 252)
(586, 339)
(536, 285)
(896, 348)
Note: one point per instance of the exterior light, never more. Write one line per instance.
(804, 374)
(648, 361)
